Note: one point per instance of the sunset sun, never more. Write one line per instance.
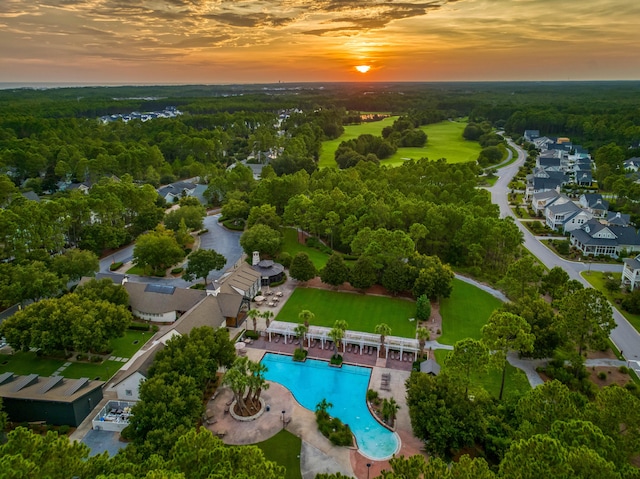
(363, 68)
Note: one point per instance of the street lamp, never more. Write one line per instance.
(283, 411)
(368, 469)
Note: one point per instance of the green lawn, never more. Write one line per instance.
(351, 132)
(444, 141)
(362, 313)
(284, 449)
(597, 279)
(292, 246)
(465, 312)
(515, 383)
(28, 363)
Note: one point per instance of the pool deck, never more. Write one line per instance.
(318, 455)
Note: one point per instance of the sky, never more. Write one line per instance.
(269, 41)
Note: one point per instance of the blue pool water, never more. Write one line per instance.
(345, 388)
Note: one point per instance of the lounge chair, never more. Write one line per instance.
(277, 339)
(211, 421)
(349, 348)
(226, 409)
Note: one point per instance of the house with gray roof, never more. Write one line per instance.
(530, 135)
(564, 215)
(595, 204)
(615, 218)
(597, 239)
(631, 273)
(174, 191)
(632, 164)
(540, 201)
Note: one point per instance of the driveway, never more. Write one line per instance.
(224, 241)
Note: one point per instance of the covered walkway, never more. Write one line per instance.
(353, 341)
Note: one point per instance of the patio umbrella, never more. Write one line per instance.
(240, 346)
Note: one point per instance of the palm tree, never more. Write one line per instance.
(253, 314)
(306, 317)
(383, 329)
(323, 405)
(389, 410)
(337, 333)
(423, 336)
(301, 331)
(268, 316)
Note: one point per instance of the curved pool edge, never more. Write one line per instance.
(357, 447)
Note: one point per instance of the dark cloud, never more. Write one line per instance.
(249, 20)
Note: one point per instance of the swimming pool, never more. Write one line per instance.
(345, 388)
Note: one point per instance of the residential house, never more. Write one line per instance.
(549, 163)
(55, 400)
(542, 180)
(530, 135)
(564, 215)
(632, 164)
(539, 201)
(595, 204)
(597, 239)
(583, 178)
(174, 191)
(631, 273)
(615, 218)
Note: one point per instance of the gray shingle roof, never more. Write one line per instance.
(159, 303)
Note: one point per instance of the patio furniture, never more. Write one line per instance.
(279, 294)
(271, 303)
(349, 348)
(276, 339)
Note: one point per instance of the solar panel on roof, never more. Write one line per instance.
(52, 382)
(76, 386)
(159, 288)
(6, 377)
(24, 382)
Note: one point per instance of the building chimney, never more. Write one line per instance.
(256, 258)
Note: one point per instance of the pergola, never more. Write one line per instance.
(356, 338)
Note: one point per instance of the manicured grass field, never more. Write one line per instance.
(351, 132)
(597, 279)
(465, 312)
(284, 449)
(362, 313)
(28, 363)
(444, 141)
(292, 246)
(515, 382)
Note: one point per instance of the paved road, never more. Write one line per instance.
(624, 336)
(224, 241)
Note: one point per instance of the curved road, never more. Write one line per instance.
(624, 336)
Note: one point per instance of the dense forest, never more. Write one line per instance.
(393, 224)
